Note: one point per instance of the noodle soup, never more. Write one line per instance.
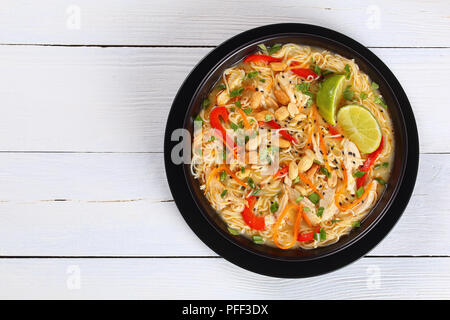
(295, 146)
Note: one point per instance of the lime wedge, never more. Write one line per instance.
(360, 126)
(329, 95)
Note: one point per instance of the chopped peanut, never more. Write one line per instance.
(293, 170)
(281, 113)
(283, 143)
(255, 100)
(261, 116)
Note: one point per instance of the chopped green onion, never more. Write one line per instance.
(299, 198)
(348, 93)
(379, 100)
(258, 239)
(380, 181)
(198, 118)
(263, 48)
(224, 193)
(347, 72)
(274, 48)
(335, 220)
(251, 183)
(238, 103)
(383, 165)
(317, 162)
(356, 224)
(320, 211)
(252, 74)
(359, 174)
(374, 85)
(262, 80)
(205, 103)
(234, 232)
(234, 126)
(359, 192)
(212, 138)
(363, 95)
(316, 70)
(242, 169)
(223, 175)
(325, 171)
(274, 207)
(296, 180)
(314, 197)
(248, 110)
(236, 92)
(320, 236)
(256, 192)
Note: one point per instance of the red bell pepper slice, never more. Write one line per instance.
(261, 58)
(368, 164)
(307, 236)
(304, 73)
(334, 131)
(214, 120)
(284, 133)
(253, 221)
(281, 172)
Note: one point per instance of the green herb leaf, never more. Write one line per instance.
(296, 180)
(320, 211)
(359, 174)
(320, 236)
(251, 183)
(221, 86)
(363, 95)
(316, 70)
(274, 48)
(258, 239)
(314, 197)
(224, 193)
(348, 93)
(374, 86)
(234, 232)
(335, 220)
(299, 198)
(380, 181)
(326, 72)
(262, 80)
(274, 207)
(317, 162)
(212, 138)
(306, 209)
(238, 103)
(205, 103)
(347, 72)
(359, 192)
(242, 169)
(236, 92)
(356, 224)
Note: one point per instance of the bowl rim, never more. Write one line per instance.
(249, 259)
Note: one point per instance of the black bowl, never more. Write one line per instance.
(210, 227)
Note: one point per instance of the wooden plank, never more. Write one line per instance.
(117, 99)
(203, 22)
(117, 204)
(368, 278)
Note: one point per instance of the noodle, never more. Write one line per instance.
(304, 137)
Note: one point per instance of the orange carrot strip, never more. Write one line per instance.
(231, 173)
(357, 201)
(244, 118)
(308, 182)
(276, 227)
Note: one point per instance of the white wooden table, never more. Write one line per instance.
(85, 89)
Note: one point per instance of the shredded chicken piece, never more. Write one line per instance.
(330, 209)
(352, 161)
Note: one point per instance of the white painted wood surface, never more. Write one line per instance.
(81, 131)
